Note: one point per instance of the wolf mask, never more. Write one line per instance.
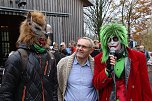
(33, 30)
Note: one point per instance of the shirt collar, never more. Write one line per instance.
(76, 62)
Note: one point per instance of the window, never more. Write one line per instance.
(4, 44)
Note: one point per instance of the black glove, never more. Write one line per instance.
(109, 67)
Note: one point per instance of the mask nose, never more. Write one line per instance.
(112, 41)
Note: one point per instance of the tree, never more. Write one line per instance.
(136, 14)
(99, 14)
(146, 38)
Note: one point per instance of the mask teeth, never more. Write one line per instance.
(42, 41)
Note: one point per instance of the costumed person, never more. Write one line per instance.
(30, 72)
(120, 73)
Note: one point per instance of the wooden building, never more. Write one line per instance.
(65, 17)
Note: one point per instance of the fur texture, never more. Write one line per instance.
(32, 29)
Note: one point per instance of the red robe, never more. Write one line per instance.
(138, 87)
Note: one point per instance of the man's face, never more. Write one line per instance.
(83, 48)
(114, 43)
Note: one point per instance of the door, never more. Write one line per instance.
(9, 32)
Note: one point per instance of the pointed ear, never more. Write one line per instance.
(29, 18)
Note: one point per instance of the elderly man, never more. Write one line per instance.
(75, 73)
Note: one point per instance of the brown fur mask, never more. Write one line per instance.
(33, 30)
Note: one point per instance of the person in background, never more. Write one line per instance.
(48, 34)
(54, 49)
(72, 46)
(143, 50)
(137, 47)
(63, 48)
(49, 31)
(57, 54)
(120, 73)
(75, 73)
(96, 48)
(68, 49)
(30, 72)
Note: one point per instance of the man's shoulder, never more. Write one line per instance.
(63, 63)
(64, 60)
(14, 55)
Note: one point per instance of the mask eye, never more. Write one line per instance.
(115, 39)
(37, 28)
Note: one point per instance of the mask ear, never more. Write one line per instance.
(29, 18)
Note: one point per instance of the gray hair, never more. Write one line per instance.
(90, 40)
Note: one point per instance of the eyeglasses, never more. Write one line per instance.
(115, 39)
(82, 46)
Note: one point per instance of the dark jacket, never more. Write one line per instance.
(95, 52)
(37, 81)
(58, 55)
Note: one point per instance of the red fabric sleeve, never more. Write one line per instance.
(100, 79)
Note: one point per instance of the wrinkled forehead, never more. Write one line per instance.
(83, 41)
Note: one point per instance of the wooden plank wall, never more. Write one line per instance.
(72, 26)
(64, 28)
